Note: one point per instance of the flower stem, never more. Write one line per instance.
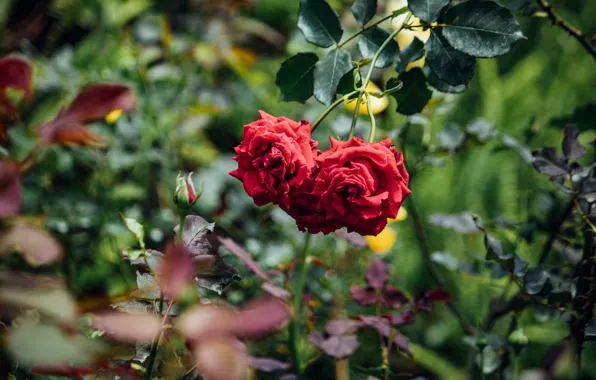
(330, 108)
(373, 123)
(392, 15)
(181, 228)
(154, 345)
(298, 296)
(355, 116)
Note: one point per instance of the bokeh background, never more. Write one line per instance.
(201, 69)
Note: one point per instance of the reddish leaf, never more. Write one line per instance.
(393, 298)
(10, 189)
(60, 131)
(364, 295)
(240, 253)
(128, 328)
(402, 342)
(267, 364)
(15, 73)
(342, 327)
(438, 295)
(405, 318)
(97, 101)
(423, 304)
(339, 347)
(176, 270)
(37, 246)
(352, 238)
(205, 322)
(380, 324)
(377, 274)
(276, 291)
(220, 359)
(261, 317)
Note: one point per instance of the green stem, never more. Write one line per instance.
(482, 376)
(355, 116)
(392, 15)
(181, 228)
(330, 108)
(373, 123)
(298, 296)
(154, 345)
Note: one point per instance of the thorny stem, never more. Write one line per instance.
(331, 108)
(576, 33)
(298, 296)
(392, 15)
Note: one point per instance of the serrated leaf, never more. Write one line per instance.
(413, 52)
(137, 230)
(370, 42)
(295, 77)
(319, 23)
(571, 146)
(414, 94)
(427, 10)
(482, 29)
(436, 83)
(364, 10)
(547, 161)
(328, 73)
(451, 66)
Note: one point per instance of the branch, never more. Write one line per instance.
(576, 33)
(424, 247)
(554, 232)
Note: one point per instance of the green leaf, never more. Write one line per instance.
(134, 254)
(319, 23)
(441, 86)
(370, 42)
(427, 10)
(482, 29)
(414, 94)
(411, 53)
(582, 118)
(295, 77)
(449, 65)
(347, 83)
(364, 10)
(328, 73)
(137, 230)
(451, 137)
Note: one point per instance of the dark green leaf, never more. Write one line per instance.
(370, 42)
(571, 147)
(364, 10)
(427, 10)
(451, 66)
(590, 332)
(441, 86)
(414, 95)
(451, 137)
(547, 161)
(346, 83)
(295, 77)
(481, 29)
(411, 53)
(511, 262)
(319, 23)
(562, 291)
(535, 280)
(328, 73)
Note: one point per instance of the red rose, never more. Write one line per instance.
(275, 157)
(360, 185)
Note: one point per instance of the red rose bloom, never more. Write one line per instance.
(275, 157)
(360, 185)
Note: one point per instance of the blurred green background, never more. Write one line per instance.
(202, 68)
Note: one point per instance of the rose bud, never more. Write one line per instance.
(185, 195)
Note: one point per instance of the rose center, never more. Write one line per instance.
(352, 191)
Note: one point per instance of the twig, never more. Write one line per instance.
(424, 247)
(576, 33)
